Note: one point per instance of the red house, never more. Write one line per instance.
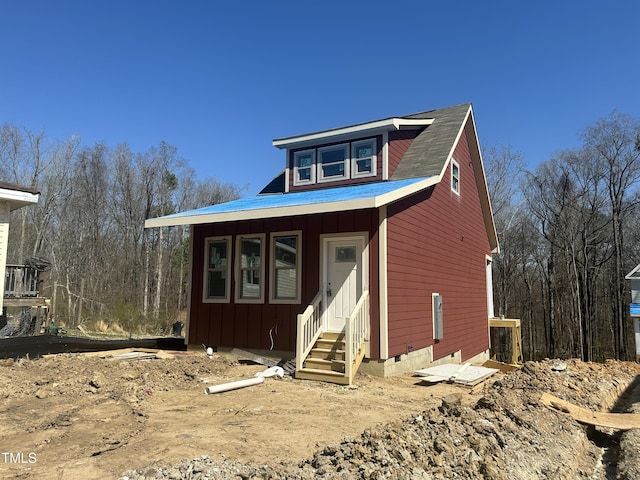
(371, 249)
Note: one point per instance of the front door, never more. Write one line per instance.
(344, 279)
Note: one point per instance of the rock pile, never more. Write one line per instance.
(507, 434)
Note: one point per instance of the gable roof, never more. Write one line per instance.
(426, 160)
(633, 274)
(354, 197)
(430, 151)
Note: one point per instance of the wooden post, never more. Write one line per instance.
(516, 342)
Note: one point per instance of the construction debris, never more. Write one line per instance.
(467, 374)
(617, 421)
(288, 366)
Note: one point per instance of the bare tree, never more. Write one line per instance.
(612, 142)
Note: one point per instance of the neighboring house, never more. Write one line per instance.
(373, 244)
(12, 197)
(634, 307)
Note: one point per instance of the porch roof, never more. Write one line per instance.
(18, 196)
(354, 197)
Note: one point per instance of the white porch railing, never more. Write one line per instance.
(356, 334)
(309, 329)
(21, 281)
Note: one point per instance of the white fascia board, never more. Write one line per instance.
(632, 275)
(370, 128)
(455, 144)
(390, 197)
(293, 210)
(17, 198)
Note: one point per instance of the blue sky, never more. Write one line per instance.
(221, 80)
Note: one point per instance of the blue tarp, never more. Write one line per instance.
(311, 197)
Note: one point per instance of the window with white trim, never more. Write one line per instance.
(455, 177)
(285, 267)
(363, 158)
(304, 167)
(250, 269)
(217, 270)
(332, 163)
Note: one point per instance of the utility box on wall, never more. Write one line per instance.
(438, 329)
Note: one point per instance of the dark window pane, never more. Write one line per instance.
(217, 285)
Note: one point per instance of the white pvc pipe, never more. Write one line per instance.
(224, 387)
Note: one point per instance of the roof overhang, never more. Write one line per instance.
(302, 203)
(370, 128)
(633, 274)
(18, 198)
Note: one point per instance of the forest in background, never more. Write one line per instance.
(568, 231)
(108, 271)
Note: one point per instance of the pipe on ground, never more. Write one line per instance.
(224, 387)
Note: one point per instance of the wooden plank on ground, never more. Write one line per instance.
(617, 421)
(503, 367)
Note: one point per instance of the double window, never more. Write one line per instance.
(249, 272)
(335, 162)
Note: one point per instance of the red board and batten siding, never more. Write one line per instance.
(249, 325)
(437, 243)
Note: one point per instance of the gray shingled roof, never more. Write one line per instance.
(19, 188)
(430, 150)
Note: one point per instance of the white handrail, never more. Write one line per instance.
(356, 333)
(309, 329)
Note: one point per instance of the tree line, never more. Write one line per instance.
(89, 223)
(569, 233)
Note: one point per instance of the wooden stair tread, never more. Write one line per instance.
(317, 371)
(327, 350)
(325, 360)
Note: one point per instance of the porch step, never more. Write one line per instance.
(330, 344)
(325, 365)
(322, 376)
(328, 354)
(326, 361)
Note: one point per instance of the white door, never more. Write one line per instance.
(343, 270)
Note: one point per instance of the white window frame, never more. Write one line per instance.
(297, 168)
(455, 179)
(205, 284)
(321, 178)
(239, 269)
(373, 158)
(272, 268)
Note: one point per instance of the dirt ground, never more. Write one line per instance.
(78, 416)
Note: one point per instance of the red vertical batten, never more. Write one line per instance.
(258, 325)
(437, 243)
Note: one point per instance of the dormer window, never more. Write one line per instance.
(333, 163)
(330, 163)
(364, 157)
(304, 167)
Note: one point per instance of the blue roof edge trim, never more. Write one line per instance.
(333, 195)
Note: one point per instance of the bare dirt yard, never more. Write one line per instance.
(79, 416)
